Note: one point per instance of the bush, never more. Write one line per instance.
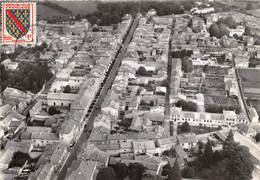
(187, 66)
(218, 30)
(67, 89)
(141, 71)
(257, 137)
(185, 127)
(53, 110)
(107, 173)
(187, 106)
(188, 172)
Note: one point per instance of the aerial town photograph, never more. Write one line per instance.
(130, 90)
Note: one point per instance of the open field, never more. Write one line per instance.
(251, 75)
(44, 12)
(78, 7)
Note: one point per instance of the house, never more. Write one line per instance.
(144, 147)
(68, 131)
(42, 139)
(36, 109)
(46, 173)
(9, 65)
(241, 61)
(239, 31)
(24, 147)
(166, 143)
(5, 110)
(253, 115)
(60, 99)
(83, 170)
(12, 93)
(202, 10)
(5, 158)
(12, 121)
(59, 156)
(104, 120)
(153, 164)
(187, 140)
(90, 152)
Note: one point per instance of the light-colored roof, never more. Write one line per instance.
(85, 171)
(58, 153)
(5, 109)
(45, 171)
(44, 136)
(16, 94)
(153, 116)
(187, 138)
(92, 153)
(62, 96)
(18, 146)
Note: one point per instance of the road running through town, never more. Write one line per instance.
(96, 104)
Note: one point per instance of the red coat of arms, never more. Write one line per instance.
(18, 23)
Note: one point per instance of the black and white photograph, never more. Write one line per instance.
(129, 90)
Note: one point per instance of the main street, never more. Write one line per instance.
(99, 98)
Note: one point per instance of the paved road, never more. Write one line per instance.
(96, 104)
(254, 149)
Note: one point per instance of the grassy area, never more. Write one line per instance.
(79, 7)
(203, 130)
(44, 12)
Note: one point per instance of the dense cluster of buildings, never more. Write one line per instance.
(79, 57)
(202, 83)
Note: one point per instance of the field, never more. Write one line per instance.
(251, 75)
(255, 12)
(79, 7)
(45, 12)
(251, 79)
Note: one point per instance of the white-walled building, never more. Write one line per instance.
(227, 118)
(9, 65)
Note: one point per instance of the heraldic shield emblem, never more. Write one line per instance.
(18, 23)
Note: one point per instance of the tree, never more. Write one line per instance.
(170, 153)
(106, 173)
(187, 66)
(121, 170)
(141, 71)
(230, 22)
(185, 127)
(229, 140)
(136, 171)
(188, 172)
(223, 30)
(151, 177)
(166, 169)
(53, 110)
(67, 89)
(207, 155)
(248, 31)
(3, 73)
(77, 17)
(213, 108)
(239, 162)
(257, 42)
(257, 137)
(214, 30)
(250, 6)
(164, 83)
(175, 174)
(42, 47)
(187, 106)
(200, 148)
